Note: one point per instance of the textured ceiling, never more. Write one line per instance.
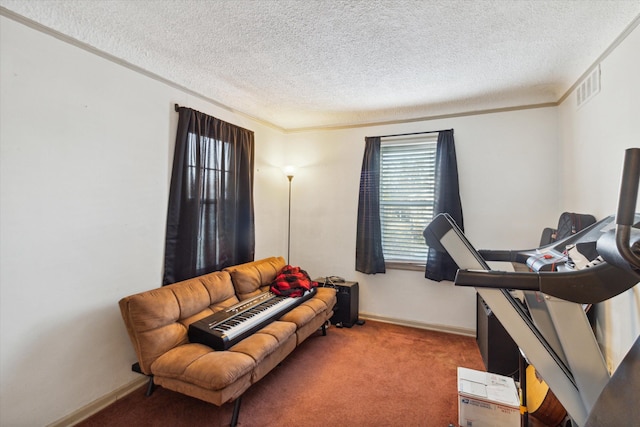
(298, 64)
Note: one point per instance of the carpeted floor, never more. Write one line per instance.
(374, 375)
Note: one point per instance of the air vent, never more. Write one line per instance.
(589, 87)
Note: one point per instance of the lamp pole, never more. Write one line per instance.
(290, 178)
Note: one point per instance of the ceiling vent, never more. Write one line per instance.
(589, 87)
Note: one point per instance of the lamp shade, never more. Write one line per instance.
(289, 171)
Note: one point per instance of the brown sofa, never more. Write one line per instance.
(157, 322)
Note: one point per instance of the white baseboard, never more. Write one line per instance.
(99, 404)
(419, 325)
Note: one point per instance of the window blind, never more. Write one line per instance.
(407, 183)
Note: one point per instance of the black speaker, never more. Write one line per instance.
(498, 350)
(346, 309)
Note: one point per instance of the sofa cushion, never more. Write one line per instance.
(217, 397)
(327, 295)
(324, 300)
(192, 297)
(199, 364)
(264, 342)
(204, 295)
(251, 278)
(157, 320)
(300, 316)
(220, 288)
(150, 318)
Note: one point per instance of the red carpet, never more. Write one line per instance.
(377, 374)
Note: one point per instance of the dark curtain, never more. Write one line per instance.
(210, 220)
(440, 266)
(369, 256)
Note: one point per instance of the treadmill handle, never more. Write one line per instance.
(588, 286)
(627, 205)
(524, 281)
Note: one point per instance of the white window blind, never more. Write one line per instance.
(407, 182)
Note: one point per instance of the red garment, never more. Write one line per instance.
(292, 281)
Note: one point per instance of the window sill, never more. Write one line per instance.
(404, 266)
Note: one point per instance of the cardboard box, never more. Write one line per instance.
(487, 400)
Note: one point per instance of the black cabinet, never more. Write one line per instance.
(499, 351)
(345, 312)
(346, 309)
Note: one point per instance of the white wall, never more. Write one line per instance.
(594, 138)
(508, 176)
(86, 148)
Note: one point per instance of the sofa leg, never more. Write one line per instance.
(236, 412)
(150, 386)
(324, 327)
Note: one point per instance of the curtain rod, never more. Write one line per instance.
(414, 133)
(176, 106)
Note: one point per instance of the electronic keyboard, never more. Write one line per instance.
(227, 327)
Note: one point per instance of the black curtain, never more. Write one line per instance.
(440, 266)
(369, 256)
(210, 220)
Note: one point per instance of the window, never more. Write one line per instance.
(209, 170)
(403, 227)
(209, 165)
(407, 183)
(210, 220)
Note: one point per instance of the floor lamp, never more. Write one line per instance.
(289, 171)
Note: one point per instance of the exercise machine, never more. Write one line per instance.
(543, 309)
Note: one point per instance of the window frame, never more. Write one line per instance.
(427, 198)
